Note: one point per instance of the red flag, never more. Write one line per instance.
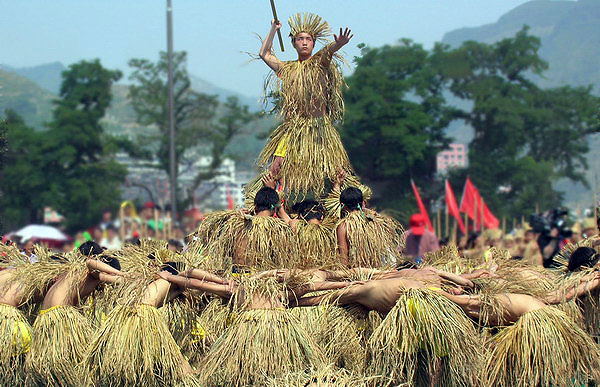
(230, 203)
(421, 206)
(453, 207)
(473, 205)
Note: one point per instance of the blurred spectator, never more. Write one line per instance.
(419, 240)
(589, 228)
(107, 220)
(111, 241)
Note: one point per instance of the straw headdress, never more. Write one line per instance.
(310, 23)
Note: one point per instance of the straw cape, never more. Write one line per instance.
(373, 238)
(262, 342)
(15, 341)
(317, 244)
(423, 335)
(544, 347)
(61, 335)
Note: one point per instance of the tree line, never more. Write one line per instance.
(400, 101)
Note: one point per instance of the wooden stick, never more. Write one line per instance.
(439, 224)
(466, 223)
(454, 232)
(514, 223)
(447, 223)
(122, 223)
(503, 225)
(276, 21)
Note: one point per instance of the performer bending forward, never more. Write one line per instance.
(306, 149)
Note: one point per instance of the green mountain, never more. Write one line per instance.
(27, 98)
(570, 35)
(47, 76)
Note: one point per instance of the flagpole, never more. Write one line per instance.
(447, 222)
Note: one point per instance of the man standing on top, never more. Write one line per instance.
(306, 149)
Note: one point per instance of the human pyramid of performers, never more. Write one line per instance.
(304, 286)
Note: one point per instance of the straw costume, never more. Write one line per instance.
(544, 347)
(310, 102)
(15, 335)
(373, 238)
(422, 330)
(316, 244)
(134, 345)
(264, 341)
(60, 335)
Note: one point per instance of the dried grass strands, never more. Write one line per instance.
(317, 245)
(270, 243)
(338, 332)
(34, 279)
(134, 347)
(374, 239)
(325, 376)
(183, 318)
(217, 235)
(261, 344)
(15, 335)
(315, 153)
(545, 348)
(422, 329)
(59, 341)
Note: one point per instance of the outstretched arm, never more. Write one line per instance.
(266, 49)
(97, 265)
(204, 275)
(588, 283)
(220, 290)
(453, 278)
(348, 295)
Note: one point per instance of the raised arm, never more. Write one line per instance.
(340, 41)
(266, 49)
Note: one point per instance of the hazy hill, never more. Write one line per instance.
(26, 98)
(47, 76)
(570, 34)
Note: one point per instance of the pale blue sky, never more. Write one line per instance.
(215, 33)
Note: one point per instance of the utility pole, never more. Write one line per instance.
(171, 110)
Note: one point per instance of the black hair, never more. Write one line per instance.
(352, 198)
(583, 256)
(90, 248)
(111, 261)
(471, 240)
(176, 243)
(134, 241)
(309, 209)
(58, 258)
(173, 267)
(266, 199)
(406, 265)
(151, 256)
